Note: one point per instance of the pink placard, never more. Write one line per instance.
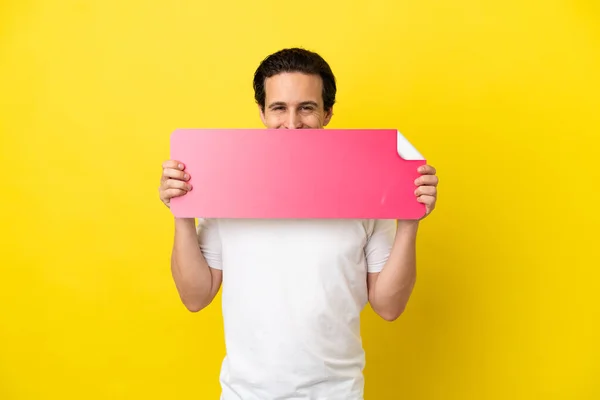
(297, 173)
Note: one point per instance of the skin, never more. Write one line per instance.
(294, 101)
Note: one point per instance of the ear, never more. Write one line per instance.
(262, 115)
(328, 115)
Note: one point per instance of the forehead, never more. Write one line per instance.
(294, 87)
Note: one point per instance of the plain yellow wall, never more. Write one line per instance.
(502, 97)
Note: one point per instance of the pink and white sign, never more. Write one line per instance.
(297, 173)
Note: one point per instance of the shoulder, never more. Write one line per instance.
(374, 225)
(207, 226)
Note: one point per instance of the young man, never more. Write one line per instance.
(293, 290)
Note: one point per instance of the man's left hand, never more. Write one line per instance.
(426, 191)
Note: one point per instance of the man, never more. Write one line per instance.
(293, 290)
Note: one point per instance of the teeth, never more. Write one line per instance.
(406, 150)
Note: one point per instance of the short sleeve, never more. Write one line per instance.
(379, 244)
(209, 241)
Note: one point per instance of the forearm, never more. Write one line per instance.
(394, 284)
(191, 273)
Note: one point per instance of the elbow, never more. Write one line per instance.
(388, 311)
(194, 305)
(391, 315)
(391, 307)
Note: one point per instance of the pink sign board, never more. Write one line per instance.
(297, 173)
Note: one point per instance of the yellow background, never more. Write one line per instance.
(501, 97)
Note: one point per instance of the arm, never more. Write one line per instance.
(390, 289)
(196, 254)
(196, 282)
(391, 253)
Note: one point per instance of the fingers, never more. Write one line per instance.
(426, 191)
(427, 170)
(175, 174)
(176, 184)
(173, 169)
(427, 180)
(168, 194)
(427, 200)
(174, 164)
(173, 188)
(173, 182)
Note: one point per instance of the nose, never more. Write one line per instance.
(293, 121)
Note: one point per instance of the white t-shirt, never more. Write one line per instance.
(292, 295)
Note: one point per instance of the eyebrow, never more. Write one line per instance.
(281, 103)
(309, 103)
(276, 104)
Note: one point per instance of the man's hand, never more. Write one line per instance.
(173, 182)
(426, 191)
